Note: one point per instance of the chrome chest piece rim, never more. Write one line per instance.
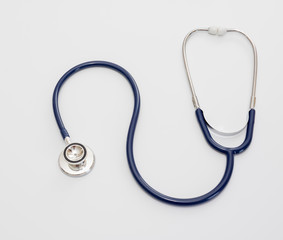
(76, 159)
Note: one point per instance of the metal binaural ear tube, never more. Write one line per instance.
(219, 32)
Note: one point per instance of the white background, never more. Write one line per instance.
(41, 40)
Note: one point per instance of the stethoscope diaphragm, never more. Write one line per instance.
(76, 160)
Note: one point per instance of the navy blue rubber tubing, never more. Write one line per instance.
(229, 152)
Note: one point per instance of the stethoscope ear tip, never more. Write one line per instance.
(76, 160)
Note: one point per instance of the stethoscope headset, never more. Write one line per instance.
(78, 159)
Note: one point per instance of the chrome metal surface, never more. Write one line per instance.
(76, 160)
(67, 140)
(194, 96)
(74, 153)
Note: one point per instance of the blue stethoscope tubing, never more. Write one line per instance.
(229, 152)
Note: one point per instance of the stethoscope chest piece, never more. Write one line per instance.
(76, 160)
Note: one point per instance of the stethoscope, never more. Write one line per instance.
(78, 159)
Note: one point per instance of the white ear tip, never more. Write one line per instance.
(217, 31)
(221, 31)
(213, 30)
